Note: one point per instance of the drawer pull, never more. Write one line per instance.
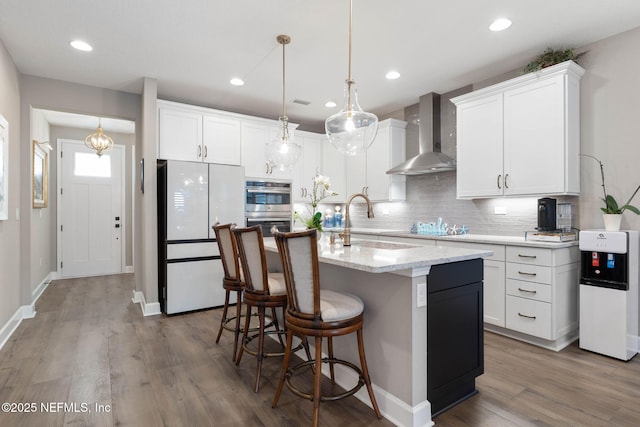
(527, 291)
(527, 256)
(528, 317)
(526, 274)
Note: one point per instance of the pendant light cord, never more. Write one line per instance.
(284, 113)
(349, 81)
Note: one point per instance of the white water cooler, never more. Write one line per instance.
(609, 292)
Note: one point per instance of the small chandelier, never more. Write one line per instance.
(283, 152)
(351, 130)
(99, 141)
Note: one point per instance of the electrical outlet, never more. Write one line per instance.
(500, 210)
(421, 297)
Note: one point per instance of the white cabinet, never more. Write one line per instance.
(221, 140)
(333, 166)
(521, 137)
(494, 280)
(193, 133)
(179, 134)
(254, 136)
(367, 173)
(542, 293)
(309, 162)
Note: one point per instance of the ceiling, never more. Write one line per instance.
(194, 47)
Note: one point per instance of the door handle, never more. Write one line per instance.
(506, 183)
(498, 182)
(206, 151)
(199, 151)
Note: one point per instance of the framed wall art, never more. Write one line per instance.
(4, 168)
(40, 182)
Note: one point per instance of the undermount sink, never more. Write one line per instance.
(382, 245)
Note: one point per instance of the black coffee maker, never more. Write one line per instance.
(546, 214)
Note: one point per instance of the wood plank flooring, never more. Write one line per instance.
(90, 344)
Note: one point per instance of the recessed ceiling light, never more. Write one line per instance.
(392, 75)
(330, 104)
(237, 81)
(500, 24)
(80, 45)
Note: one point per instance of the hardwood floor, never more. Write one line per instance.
(89, 344)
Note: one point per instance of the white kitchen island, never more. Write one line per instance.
(403, 287)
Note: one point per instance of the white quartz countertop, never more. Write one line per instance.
(378, 256)
(470, 238)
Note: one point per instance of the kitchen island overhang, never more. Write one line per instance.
(393, 280)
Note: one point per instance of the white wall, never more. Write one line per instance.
(10, 229)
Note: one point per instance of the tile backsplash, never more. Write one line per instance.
(432, 196)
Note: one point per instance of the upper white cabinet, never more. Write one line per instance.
(221, 139)
(196, 134)
(254, 136)
(521, 137)
(310, 161)
(367, 173)
(333, 167)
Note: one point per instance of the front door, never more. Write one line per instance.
(91, 207)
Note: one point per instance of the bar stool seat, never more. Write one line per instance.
(319, 313)
(336, 306)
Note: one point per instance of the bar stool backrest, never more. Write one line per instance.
(299, 255)
(228, 251)
(252, 258)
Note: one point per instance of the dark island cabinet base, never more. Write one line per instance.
(455, 353)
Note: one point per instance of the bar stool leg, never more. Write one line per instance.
(275, 323)
(316, 382)
(365, 374)
(260, 355)
(224, 316)
(237, 330)
(285, 367)
(330, 348)
(245, 334)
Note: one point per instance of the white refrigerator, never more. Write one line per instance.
(192, 197)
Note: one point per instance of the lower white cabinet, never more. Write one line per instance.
(530, 293)
(494, 279)
(542, 293)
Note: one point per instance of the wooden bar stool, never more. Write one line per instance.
(231, 282)
(262, 290)
(317, 313)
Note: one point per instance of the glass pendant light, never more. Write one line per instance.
(99, 141)
(283, 152)
(351, 130)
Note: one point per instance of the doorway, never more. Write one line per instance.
(91, 202)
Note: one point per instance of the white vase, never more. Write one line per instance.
(612, 221)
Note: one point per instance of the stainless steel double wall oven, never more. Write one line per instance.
(268, 204)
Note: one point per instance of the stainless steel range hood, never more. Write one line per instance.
(428, 159)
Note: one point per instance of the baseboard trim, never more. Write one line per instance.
(556, 345)
(392, 408)
(148, 309)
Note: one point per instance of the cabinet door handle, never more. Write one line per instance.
(506, 182)
(301, 192)
(526, 274)
(206, 152)
(199, 151)
(527, 291)
(528, 317)
(498, 182)
(528, 256)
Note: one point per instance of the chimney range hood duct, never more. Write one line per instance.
(428, 160)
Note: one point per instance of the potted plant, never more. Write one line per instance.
(551, 57)
(321, 190)
(612, 211)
